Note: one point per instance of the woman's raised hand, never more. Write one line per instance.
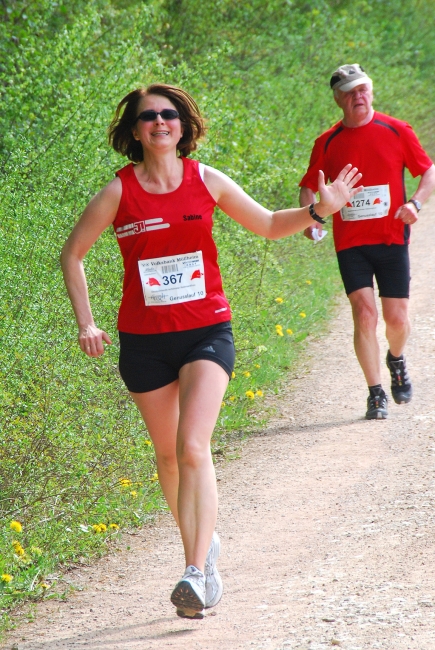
(333, 197)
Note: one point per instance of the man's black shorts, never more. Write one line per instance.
(389, 265)
(151, 361)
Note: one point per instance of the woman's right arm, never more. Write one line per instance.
(98, 215)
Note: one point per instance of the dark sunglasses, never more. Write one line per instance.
(165, 114)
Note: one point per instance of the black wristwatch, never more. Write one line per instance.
(416, 203)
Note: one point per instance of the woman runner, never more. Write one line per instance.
(176, 345)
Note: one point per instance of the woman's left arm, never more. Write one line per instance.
(242, 208)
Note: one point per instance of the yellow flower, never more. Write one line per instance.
(259, 393)
(233, 375)
(125, 482)
(278, 330)
(44, 585)
(99, 528)
(249, 394)
(247, 373)
(232, 398)
(16, 526)
(114, 526)
(289, 331)
(133, 494)
(257, 365)
(308, 281)
(148, 442)
(6, 577)
(223, 404)
(18, 549)
(303, 314)
(279, 300)
(155, 477)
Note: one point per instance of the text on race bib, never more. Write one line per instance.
(173, 279)
(372, 203)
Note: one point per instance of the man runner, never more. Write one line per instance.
(371, 233)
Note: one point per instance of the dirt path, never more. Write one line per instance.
(326, 521)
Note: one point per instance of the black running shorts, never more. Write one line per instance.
(388, 264)
(151, 361)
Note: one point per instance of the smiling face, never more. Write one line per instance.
(158, 135)
(356, 105)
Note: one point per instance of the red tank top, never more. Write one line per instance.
(161, 237)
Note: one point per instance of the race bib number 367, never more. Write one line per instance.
(173, 279)
(372, 203)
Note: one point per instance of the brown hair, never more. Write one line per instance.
(120, 129)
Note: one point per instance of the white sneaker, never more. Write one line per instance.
(189, 594)
(213, 582)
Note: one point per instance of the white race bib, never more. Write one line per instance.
(172, 279)
(372, 203)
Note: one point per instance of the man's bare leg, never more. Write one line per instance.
(365, 318)
(398, 328)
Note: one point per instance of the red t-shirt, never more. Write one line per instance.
(381, 150)
(151, 226)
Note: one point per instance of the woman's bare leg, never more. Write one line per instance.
(160, 412)
(180, 418)
(202, 387)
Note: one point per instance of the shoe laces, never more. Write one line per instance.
(399, 375)
(195, 575)
(378, 400)
(209, 567)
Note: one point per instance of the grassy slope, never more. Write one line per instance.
(259, 72)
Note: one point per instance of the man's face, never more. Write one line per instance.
(355, 104)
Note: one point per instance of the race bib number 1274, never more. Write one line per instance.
(372, 203)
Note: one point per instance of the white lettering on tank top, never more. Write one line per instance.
(140, 226)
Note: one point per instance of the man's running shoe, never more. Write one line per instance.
(189, 594)
(213, 582)
(377, 405)
(401, 387)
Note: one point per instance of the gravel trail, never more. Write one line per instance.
(326, 521)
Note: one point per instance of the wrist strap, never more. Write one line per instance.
(314, 215)
(415, 203)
